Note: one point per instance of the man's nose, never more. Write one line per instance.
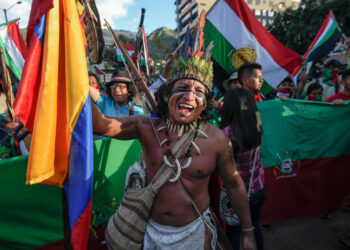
(189, 95)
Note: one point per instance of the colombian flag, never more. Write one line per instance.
(53, 103)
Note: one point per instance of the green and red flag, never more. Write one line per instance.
(14, 47)
(324, 42)
(306, 157)
(239, 37)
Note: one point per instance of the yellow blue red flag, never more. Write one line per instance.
(53, 103)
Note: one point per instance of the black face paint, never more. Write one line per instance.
(200, 97)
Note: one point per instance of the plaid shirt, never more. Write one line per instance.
(245, 161)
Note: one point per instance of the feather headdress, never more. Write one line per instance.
(193, 62)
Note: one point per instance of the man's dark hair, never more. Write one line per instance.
(163, 109)
(345, 74)
(312, 87)
(129, 85)
(247, 68)
(240, 112)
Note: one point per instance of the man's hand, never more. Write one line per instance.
(284, 97)
(248, 241)
(338, 101)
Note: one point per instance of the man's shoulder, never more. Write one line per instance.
(215, 133)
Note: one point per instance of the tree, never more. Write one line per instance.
(296, 28)
(110, 57)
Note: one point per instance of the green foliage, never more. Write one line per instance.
(161, 43)
(110, 57)
(127, 40)
(296, 28)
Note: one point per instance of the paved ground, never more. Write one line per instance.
(310, 233)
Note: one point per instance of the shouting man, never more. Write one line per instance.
(180, 213)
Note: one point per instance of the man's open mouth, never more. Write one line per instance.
(185, 108)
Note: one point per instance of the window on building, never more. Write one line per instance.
(264, 22)
(203, 4)
(257, 2)
(271, 13)
(264, 12)
(257, 12)
(250, 1)
(264, 3)
(271, 4)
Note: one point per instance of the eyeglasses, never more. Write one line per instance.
(121, 87)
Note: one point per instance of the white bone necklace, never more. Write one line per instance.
(175, 162)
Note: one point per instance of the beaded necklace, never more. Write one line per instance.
(168, 155)
(186, 154)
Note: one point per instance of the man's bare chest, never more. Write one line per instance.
(200, 164)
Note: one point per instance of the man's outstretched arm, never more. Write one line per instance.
(237, 192)
(125, 128)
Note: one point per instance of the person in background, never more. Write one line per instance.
(232, 82)
(120, 92)
(94, 82)
(330, 78)
(241, 123)
(314, 92)
(286, 89)
(306, 79)
(344, 95)
(250, 77)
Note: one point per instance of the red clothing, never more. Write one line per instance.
(257, 97)
(339, 95)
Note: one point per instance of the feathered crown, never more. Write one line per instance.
(193, 62)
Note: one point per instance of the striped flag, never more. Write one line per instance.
(98, 70)
(239, 36)
(324, 42)
(131, 51)
(53, 103)
(14, 49)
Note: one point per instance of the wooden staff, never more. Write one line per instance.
(7, 84)
(132, 66)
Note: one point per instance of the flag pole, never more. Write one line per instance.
(132, 66)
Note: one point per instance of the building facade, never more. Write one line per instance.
(187, 12)
(265, 10)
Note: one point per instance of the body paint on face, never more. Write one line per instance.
(201, 98)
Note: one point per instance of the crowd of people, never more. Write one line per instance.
(180, 215)
(186, 101)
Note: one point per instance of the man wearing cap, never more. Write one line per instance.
(180, 217)
(120, 92)
(232, 82)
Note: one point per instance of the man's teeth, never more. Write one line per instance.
(185, 106)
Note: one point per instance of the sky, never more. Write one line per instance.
(121, 14)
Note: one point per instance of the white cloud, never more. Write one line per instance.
(112, 10)
(21, 11)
